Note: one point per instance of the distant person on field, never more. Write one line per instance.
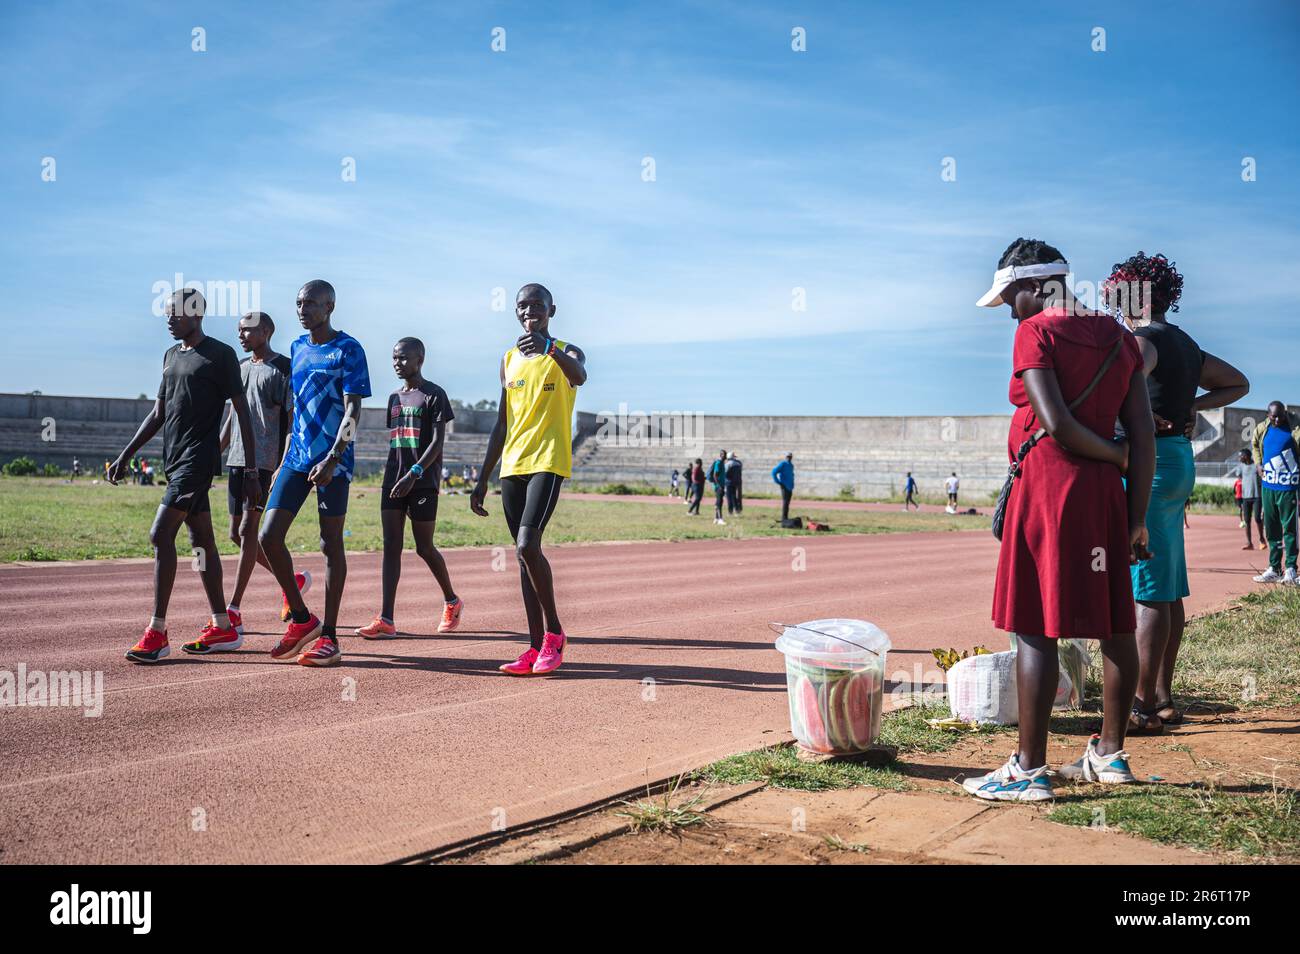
(735, 503)
(1251, 509)
(783, 477)
(718, 477)
(688, 478)
(76, 468)
(696, 490)
(1276, 443)
(909, 493)
(446, 476)
(107, 464)
(951, 485)
(672, 483)
(135, 470)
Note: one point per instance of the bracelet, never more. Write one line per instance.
(417, 470)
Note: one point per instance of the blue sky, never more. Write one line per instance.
(774, 170)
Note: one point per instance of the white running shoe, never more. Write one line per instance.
(1109, 769)
(1290, 576)
(1011, 784)
(1269, 576)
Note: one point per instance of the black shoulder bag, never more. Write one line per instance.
(1000, 508)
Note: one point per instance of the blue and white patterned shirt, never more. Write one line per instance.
(322, 374)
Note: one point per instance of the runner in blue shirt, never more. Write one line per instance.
(329, 380)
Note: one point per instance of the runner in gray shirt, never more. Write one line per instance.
(265, 376)
(1252, 510)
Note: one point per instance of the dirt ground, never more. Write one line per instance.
(933, 822)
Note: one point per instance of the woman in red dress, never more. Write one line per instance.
(1072, 527)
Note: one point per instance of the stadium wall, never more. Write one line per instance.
(867, 456)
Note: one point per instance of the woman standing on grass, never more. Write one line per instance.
(1175, 367)
(1070, 530)
(533, 440)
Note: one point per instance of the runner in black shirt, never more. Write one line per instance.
(418, 413)
(199, 375)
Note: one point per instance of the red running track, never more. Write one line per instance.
(234, 758)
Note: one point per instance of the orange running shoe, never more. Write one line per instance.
(451, 615)
(303, 580)
(377, 629)
(151, 647)
(295, 638)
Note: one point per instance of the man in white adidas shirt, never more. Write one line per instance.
(951, 484)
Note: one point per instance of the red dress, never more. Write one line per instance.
(1063, 569)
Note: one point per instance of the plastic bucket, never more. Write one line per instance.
(835, 683)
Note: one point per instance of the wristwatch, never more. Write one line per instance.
(335, 456)
(417, 470)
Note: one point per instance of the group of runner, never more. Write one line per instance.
(290, 432)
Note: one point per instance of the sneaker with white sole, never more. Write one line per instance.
(1010, 783)
(1110, 769)
(1269, 576)
(1290, 577)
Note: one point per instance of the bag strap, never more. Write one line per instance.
(1096, 379)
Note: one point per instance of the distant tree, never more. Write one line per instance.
(485, 405)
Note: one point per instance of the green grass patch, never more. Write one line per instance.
(44, 519)
(1260, 825)
(781, 767)
(667, 812)
(1246, 657)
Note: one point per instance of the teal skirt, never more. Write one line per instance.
(1163, 578)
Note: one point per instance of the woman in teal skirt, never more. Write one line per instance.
(1146, 288)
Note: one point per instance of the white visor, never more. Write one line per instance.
(1004, 277)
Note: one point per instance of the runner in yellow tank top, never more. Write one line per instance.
(540, 377)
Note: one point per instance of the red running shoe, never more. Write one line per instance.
(295, 639)
(151, 647)
(213, 640)
(303, 580)
(324, 653)
(236, 620)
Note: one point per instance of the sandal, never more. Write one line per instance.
(1144, 722)
(1175, 717)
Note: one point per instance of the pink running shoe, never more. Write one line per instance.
(552, 654)
(451, 615)
(523, 666)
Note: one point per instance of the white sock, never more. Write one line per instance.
(158, 623)
(221, 620)
(232, 606)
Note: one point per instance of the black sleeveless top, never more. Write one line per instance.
(1172, 385)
